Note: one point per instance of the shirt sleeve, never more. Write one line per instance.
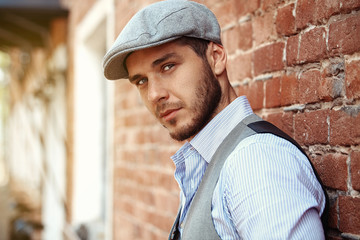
(271, 191)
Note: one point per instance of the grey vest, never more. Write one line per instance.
(199, 224)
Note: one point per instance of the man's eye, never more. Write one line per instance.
(167, 67)
(142, 81)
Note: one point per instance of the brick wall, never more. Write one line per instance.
(298, 62)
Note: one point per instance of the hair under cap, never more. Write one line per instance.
(157, 24)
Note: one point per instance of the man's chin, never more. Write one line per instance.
(182, 134)
(178, 137)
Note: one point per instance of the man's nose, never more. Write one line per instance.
(157, 90)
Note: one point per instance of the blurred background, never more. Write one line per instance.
(51, 114)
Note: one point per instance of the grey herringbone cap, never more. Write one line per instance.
(157, 24)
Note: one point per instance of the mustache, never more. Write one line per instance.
(162, 107)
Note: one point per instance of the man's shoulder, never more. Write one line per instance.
(260, 152)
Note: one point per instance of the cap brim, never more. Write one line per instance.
(114, 65)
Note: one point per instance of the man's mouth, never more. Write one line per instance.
(167, 111)
(169, 114)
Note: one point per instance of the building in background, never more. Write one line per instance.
(55, 178)
(34, 62)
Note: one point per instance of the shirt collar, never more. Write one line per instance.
(210, 137)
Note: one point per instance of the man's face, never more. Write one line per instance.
(177, 87)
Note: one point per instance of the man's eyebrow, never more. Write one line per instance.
(154, 64)
(134, 78)
(164, 58)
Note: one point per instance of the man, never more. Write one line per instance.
(266, 189)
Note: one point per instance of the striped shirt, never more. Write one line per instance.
(266, 189)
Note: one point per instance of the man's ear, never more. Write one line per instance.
(218, 58)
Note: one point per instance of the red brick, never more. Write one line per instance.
(272, 93)
(123, 87)
(352, 79)
(168, 183)
(145, 118)
(128, 155)
(225, 12)
(348, 5)
(160, 135)
(305, 12)
(282, 120)
(160, 235)
(269, 58)
(349, 214)
(208, 3)
(120, 137)
(343, 126)
(313, 45)
(239, 68)
(308, 86)
(355, 169)
(230, 39)
(126, 191)
(242, 90)
(289, 90)
(156, 157)
(123, 227)
(245, 34)
(149, 233)
(332, 82)
(264, 28)
(344, 36)
(292, 50)
(245, 7)
(313, 12)
(124, 173)
(312, 127)
(158, 220)
(132, 99)
(332, 170)
(326, 8)
(270, 4)
(255, 94)
(167, 202)
(238, 37)
(329, 88)
(125, 205)
(150, 178)
(285, 20)
(163, 158)
(147, 197)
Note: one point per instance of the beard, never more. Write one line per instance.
(208, 95)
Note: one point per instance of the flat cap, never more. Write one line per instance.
(157, 24)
